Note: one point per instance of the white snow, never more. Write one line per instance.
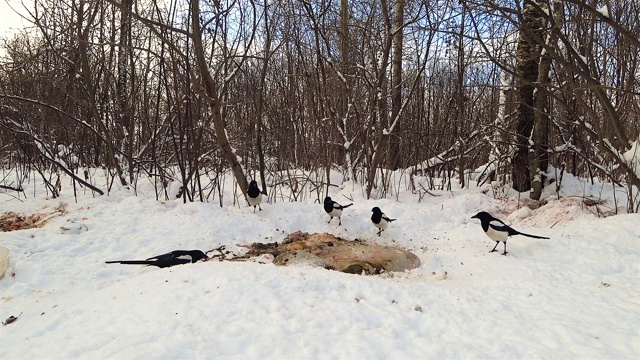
(574, 296)
(583, 59)
(174, 189)
(522, 213)
(604, 10)
(632, 157)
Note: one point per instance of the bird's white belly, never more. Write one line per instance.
(255, 201)
(335, 213)
(382, 224)
(497, 235)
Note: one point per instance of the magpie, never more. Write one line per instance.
(498, 231)
(176, 257)
(255, 196)
(380, 220)
(334, 209)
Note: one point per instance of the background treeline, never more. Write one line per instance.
(188, 91)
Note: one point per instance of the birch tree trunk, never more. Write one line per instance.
(396, 83)
(260, 100)
(378, 114)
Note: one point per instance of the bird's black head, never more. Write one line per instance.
(376, 210)
(198, 255)
(190, 255)
(327, 199)
(253, 184)
(483, 216)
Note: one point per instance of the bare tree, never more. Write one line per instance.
(528, 59)
(542, 105)
(187, 92)
(396, 83)
(211, 88)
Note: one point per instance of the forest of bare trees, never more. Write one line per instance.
(190, 91)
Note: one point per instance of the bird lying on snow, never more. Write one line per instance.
(498, 231)
(380, 220)
(176, 257)
(334, 209)
(254, 195)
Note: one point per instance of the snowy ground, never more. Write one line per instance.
(574, 296)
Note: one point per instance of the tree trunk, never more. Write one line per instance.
(528, 55)
(542, 104)
(260, 104)
(210, 88)
(93, 114)
(396, 83)
(124, 109)
(379, 106)
(460, 99)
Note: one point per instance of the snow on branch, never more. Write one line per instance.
(628, 160)
(448, 155)
(46, 153)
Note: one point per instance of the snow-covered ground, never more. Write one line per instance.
(576, 295)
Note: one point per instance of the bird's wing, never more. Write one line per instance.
(170, 260)
(388, 219)
(162, 257)
(165, 260)
(498, 225)
(178, 260)
(340, 207)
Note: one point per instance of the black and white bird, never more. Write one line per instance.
(380, 220)
(254, 195)
(334, 209)
(176, 257)
(498, 231)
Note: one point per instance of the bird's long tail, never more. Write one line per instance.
(130, 262)
(533, 236)
(345, 206)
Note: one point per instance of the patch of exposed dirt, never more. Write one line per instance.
(11, 221)
(332, 252)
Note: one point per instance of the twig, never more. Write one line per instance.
(11, 319)
(18, 189)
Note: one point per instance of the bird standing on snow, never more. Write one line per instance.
(498, 231)
(176, 257)
(380, 220)
(334, 209)
(254, 195)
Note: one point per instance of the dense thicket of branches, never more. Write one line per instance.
(262, 87)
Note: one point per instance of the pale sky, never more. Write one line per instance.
(9, 20)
